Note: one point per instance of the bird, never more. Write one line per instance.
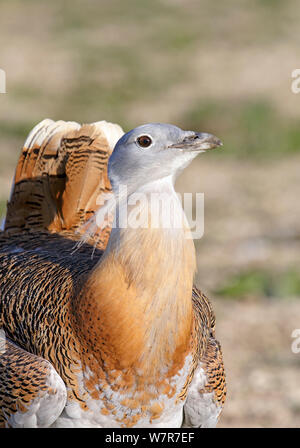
(101, 324)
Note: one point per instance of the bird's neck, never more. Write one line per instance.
(137, 300)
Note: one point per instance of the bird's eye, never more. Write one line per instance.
(144, 141)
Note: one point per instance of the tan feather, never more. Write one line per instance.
(61, 173)
(124, 331)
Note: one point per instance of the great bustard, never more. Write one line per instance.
(120, 338)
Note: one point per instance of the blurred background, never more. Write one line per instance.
(219, 67)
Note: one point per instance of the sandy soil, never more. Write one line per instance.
(262, 371)
(252, 221)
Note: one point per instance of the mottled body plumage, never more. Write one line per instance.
(89, 326)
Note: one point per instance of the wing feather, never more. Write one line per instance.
(207, 390)
(61, 173)
(32, 394)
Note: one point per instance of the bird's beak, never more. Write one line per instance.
(198, 141)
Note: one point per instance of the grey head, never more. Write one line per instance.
(154, 151)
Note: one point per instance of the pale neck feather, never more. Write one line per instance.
(143, 284)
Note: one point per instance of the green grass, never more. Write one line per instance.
(15, 129)
(126, 53)
(251, 128)
(123, 54)
(258, 284)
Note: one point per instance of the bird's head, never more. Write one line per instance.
(154, 151)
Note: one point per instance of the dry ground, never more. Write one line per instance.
(262, 371)
(252, 224)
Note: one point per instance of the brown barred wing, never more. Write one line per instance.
(214, 368)
(32, 394)
(207, 390)
(60, 177)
